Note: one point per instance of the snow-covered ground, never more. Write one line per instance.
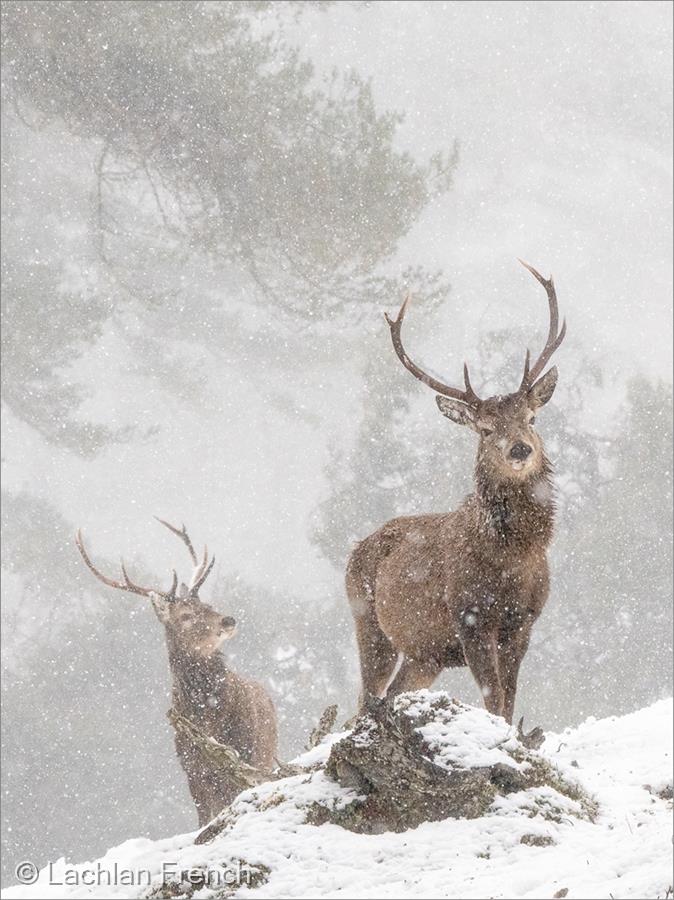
(624, 763)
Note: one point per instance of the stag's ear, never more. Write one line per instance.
(161, 607)
(456, 411)
(544, 388)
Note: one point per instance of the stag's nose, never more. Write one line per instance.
(520, 450)
(228, 623)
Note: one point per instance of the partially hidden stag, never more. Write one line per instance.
(464, 588)
(214, 701)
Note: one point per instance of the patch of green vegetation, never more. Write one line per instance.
(536, 840)
(209, 883)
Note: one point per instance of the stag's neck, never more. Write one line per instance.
(200, 684)
(516, 514)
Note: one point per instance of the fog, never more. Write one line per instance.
(206, 210)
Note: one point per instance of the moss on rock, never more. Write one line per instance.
(401, 761)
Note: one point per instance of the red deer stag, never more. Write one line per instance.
(206, 692)
(465, 587)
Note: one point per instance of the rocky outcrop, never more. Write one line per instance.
(426, 757)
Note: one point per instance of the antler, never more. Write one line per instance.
(202, 569)
(127, 584)
(183, 535)
(201, 573)
(555, 338)
(467, 396)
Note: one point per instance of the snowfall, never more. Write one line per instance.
(624, 763)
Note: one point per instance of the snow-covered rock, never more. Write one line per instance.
(516, 849)
(426, 757)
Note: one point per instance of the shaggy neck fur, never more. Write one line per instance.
(198, 681)
(516, 512)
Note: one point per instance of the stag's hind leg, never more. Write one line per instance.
(413, 675)
(378, 656)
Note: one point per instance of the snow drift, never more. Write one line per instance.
(597, 825)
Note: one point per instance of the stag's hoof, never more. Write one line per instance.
(373, 705)
(532, 739)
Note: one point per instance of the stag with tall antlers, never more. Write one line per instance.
(464, 588)
(209, 700)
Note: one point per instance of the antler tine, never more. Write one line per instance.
(167, 595)
(183, 535)
(126, 585)
(525, 377)
(131, 586)
(203, 574)
(174, 586)
(473, 399)
(199, 569)
(468, 395)
(555, 337)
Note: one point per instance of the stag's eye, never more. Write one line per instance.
(485, 430)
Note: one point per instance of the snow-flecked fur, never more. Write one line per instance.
(223, 705)
(465, 587)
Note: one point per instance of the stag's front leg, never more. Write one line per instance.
(480, 648)
(513, 645)
(512, 649)
(511, 655)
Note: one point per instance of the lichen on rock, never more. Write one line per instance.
(424, 757)
(217, 883)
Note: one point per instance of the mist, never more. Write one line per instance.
(207, 208)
